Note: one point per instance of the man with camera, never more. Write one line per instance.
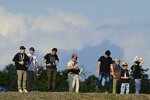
(51, 61)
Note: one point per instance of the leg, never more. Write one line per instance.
(122, 88)
(107, 82)
(127, 88)
(70, 80)
(29, 80)
(74, 83)
(54, 74)
(49, 78)
(77, 84)
(24, 79)
(19, 74)
(118, 86)
(33, 80)
(100, 81)
(137, 85)
(114, 85)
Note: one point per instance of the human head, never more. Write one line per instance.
(32, 50)
(138, 60)
(22, 49)
(74, 57)
(125, 65)
(117, 61)
(54, 51)
(107, 54)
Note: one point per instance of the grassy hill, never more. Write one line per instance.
(69, 96)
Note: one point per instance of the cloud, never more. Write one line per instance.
(12, 26)
(68, 31)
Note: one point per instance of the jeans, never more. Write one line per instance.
(137, 85)
(125, 88)
(107, 81)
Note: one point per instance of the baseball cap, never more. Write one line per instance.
(74, 56)
(32, 49)
(22, 48)
(124, 64)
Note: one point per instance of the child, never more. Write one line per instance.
(125, 79)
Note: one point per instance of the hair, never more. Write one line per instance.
(108, 53)
(54, 49)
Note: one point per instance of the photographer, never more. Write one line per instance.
(73, 74)
(51, 61)
(136, 70)
(21, 60)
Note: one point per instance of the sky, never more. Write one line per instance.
(85, 27)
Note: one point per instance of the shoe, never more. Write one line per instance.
(25, 91)
(20, 91)
(98, 91)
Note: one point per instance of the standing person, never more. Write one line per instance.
(21, 61)
(117, 72)
(105, 63)
(73, 74)
(32, 70)
(51, 61)
(125, 86)
(136, 69)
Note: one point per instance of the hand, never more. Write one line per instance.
(76, 67)
(49, 64)
(21, 63)
(98, 71)
(114, 76)
(126, 77)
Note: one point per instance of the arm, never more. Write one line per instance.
(112, 69)
(70, 66)
(141, 63)
(99, 67)
(37, 68)
(16, 60)
(44, 61)
(127, 75)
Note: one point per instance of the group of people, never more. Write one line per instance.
(107, 67)
(27, 67)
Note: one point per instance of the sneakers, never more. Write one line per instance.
(25, 91)
(20, 91)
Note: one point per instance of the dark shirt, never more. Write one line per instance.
(117, 70)
(72, 71)
(105, 64)
(136, 69)
(21, 57)
(51, 59)
(123, 72)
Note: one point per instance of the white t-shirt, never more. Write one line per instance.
(33, 61)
